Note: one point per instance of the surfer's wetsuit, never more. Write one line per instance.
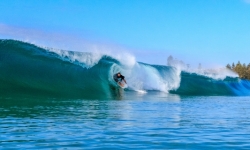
(118, 79)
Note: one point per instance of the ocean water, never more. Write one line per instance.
(58, 99)
(154, 120)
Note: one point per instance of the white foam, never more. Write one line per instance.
(218, 73)
(89, 59)
(86, 60)
(145, 77)
(122, 55)
(141, 91)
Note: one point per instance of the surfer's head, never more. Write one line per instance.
(118, 74)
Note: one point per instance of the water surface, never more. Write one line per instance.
(140, 121)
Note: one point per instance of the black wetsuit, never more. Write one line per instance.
(118, 79)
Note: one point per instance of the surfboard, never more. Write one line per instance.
(124, 85)
(141, 91)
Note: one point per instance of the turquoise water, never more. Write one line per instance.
(154, 120)
(58, 99)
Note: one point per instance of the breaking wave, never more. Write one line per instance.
(29, 70)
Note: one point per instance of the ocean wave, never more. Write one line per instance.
(30, 70)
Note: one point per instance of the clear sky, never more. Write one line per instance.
(206, 31)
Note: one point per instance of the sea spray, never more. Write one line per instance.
(218, 73)
(89, 59)
(153, 77)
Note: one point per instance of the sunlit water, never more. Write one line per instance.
(139, 121)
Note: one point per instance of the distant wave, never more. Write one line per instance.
(195, 84)
(29, 70)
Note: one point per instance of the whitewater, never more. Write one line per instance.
(30, 70)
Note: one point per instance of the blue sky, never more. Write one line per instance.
(206, 31)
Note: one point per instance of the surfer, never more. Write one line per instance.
(119, 78)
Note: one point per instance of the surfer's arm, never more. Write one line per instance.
(123, 78)
(124, 81)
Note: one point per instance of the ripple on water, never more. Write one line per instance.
(148, 123)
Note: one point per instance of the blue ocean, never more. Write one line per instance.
(59, 99)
